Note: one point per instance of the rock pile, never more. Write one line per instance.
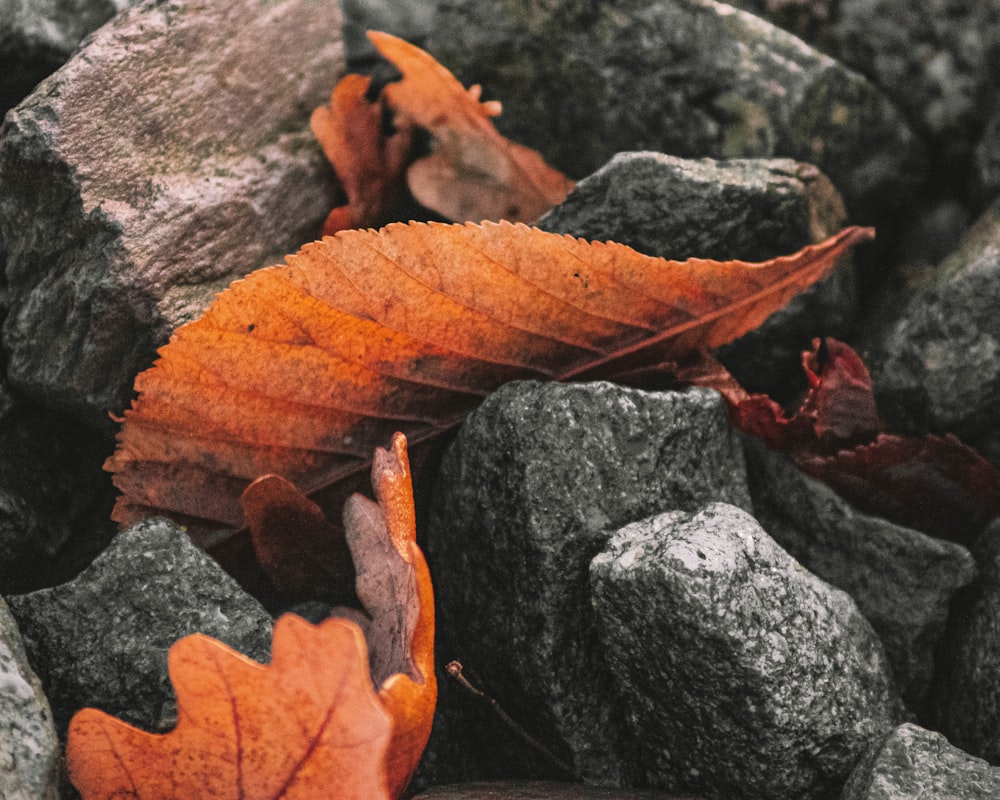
(671, 609)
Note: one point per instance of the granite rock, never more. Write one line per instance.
(912, 762)
(37, 37)
(743, 675)
(748, 209)
(936, 361)
(936, 61)
(101, 640)
(903, 581)
(581, 81)
(538, 478)
(29, 748)
(171, 155)
(966, 694)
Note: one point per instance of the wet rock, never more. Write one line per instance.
(29, 749)
(538, 478)
(966, 694)
(171, 155)
(101, 640)
(913, 762)
(36, 38)
(748, 209)
(936, 362)
(539, 790)
(902, 581)
(743, 675)
(582, 81)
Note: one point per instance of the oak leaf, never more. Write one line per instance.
(309, 725)
(299, 370)
(473, 173)
(306, 727)
(932, 483)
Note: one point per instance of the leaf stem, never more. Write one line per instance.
(454, 671)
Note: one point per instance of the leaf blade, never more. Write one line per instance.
(396, 287)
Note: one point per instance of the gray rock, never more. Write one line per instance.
(936, 363)
(29, 748)
(538, 790)
(101, 640)
(582, 81)
(750, 209)
(936, 61)
(37, 37)
(915, 763)
(171, 155)
(538, 478)
(902, 580)
(743, 675)
(966, 693)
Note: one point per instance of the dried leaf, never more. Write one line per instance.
(283, 521)
(934, 484)
(307, 727)
(299, 370)
(370, 163)
(475, 173)
(394, 585)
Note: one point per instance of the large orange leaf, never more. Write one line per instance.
(300, 369)
(310, 725)
(307, 727)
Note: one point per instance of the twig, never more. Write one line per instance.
(454, 671)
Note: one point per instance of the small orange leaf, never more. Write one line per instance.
(307, 727)
(370, 164)
(299, 370)
(475, 173)
(283, 521)
(394, 585)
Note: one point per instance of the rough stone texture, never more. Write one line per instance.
(750, 209)
(936, 361)
(538, 478)
(538, 790)
(914, 763)
(37, 36)
(743, 675)
(581, 81)
(966, 692)
(29, 748)
(169, 156)
(101, 640)
(936, 61)
(902, 580)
